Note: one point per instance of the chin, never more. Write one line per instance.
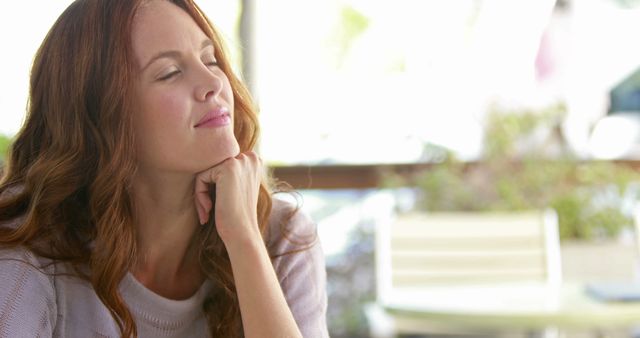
(223, 152)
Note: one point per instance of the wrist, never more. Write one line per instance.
(241, 243)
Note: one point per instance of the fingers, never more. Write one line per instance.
(248, 163)
(251, 161)
(203, 200)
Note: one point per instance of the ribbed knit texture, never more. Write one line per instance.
(37, 301)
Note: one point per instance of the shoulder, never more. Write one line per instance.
(27, 296)
(290, 227)
(294, 244)
(23, 268)
(298, 260)
(22, 260)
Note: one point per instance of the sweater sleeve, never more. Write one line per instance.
(27, 296)
(300, 267)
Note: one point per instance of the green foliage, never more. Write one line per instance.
(520, 171)
(351, 25)
(5, 142)
(506, 131)
(354, 23)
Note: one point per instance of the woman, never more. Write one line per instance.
(131, 202)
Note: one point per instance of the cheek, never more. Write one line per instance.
(171, 105)
(159, 122)
(162, 114)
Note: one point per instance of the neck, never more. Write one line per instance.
(166, 221)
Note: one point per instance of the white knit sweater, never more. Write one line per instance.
(39, 302)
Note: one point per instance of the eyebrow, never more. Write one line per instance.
(174, 53)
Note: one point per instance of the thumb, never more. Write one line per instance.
(205, 181)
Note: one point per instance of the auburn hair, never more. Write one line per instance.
(67, 178)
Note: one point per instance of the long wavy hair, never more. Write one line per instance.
(68, 173)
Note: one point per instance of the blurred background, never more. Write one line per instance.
(375, 108)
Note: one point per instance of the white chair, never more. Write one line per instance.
(457, 262)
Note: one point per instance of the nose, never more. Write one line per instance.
(209, 84)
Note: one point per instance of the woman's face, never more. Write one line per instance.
(184, 117)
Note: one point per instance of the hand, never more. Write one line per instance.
(237, 182)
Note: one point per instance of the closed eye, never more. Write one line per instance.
(170, 75)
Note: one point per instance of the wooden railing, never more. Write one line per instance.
(369, 176)
(360, 176)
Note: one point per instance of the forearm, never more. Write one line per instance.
(264, 309)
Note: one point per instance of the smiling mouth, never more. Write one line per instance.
(216, 118)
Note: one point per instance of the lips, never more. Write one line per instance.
(215, 118)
